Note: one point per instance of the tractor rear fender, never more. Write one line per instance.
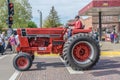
(76, 31)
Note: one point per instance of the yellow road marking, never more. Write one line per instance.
(103, 53)
(110, 53)
(46, 55)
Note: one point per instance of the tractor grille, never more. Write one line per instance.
(57, 42)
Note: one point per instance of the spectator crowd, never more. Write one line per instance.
(114, 37)
(7, 43)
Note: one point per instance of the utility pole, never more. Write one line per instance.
(100, 25)
(40, 13)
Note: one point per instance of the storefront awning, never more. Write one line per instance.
(106, 7)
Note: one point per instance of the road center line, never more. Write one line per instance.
(14, 76)
(70, 70)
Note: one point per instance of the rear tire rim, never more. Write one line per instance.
(22, 62)
(82, 52)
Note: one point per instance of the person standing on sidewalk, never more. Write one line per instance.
(112, 37)
(96, 35)
(12, 43)
(116, 38)
(1, 46)
(3, 38)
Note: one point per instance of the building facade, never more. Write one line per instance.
(109, 23)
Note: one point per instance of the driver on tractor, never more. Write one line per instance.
(77, 24)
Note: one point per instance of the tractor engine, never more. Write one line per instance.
(42, 41)
(39, 42)
(55, 46)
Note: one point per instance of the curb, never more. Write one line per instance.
(110, 53)
(103, 53)
(46, 55)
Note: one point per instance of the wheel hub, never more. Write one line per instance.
(22, 62)
(81, 51)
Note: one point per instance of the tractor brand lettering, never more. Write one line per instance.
(42, 48)
(44, 35)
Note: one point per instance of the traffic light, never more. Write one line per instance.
(10, 20)
(11, 9)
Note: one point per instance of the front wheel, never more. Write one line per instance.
(81, 52)
(22, 62)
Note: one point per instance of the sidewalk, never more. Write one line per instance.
(110, 49)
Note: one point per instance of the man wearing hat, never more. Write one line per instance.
(77, 24)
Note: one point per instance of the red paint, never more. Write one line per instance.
(81, 52)
(22, 62)
(44, 40)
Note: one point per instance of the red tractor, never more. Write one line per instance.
(80, 51)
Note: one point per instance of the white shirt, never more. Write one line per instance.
(17, 40)
(1, 40)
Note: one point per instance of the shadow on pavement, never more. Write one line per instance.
(105, 73)
(7, 51)
(107, 64)
(106, 67)
(44, 66)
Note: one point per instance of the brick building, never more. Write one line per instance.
(105, 13)
(87, 22)
(108, 23)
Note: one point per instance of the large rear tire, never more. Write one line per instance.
(22, 62)
(33, 57)
(81, 51)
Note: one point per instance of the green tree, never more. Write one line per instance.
(22, 13)
(3, 14)
(53, 19)
(32, 24)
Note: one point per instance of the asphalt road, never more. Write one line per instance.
(108, 68)
(46, 68)
(6, 68)
(54, 68)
